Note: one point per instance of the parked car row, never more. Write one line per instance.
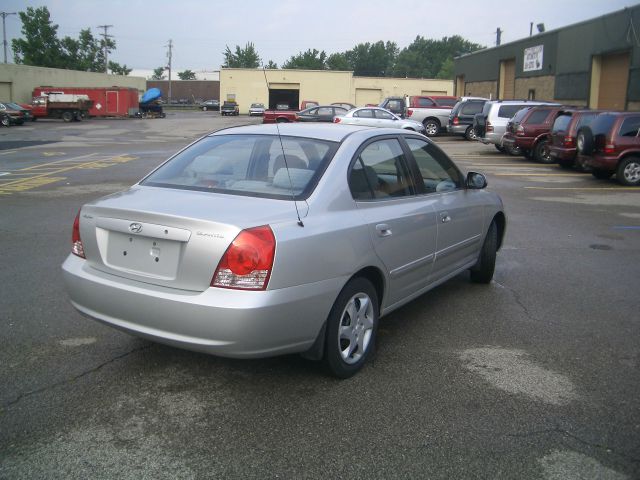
(601, 142)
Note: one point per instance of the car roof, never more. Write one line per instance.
(329, 131)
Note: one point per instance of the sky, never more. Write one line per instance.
(200, 29)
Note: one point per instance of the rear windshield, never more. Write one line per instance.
(257, 105)
(562, 123)
(251, 165)
(471, 108)
(602, 123)
(538, 116)
(508, 111)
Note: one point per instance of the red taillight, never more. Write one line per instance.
(520, 131)
(76, 241)
(336, 119)
(456, 121)
(409, 112)
(568, 142)
(609, 149)
(247, 263)
(489, 127)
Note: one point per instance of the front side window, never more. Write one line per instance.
(447, 102)
(251, 165)
(384, 115)
(380, 172)
(438, 173)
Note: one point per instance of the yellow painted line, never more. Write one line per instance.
(539, 175)
(584, 188)
(40, 165)
(28, 184)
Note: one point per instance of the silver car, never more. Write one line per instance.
(256, 109)
(270, 239)
(377, 117)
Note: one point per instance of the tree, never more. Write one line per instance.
(187, 75)
(272, 65)
(338, 61)
(118, 69)
(309, 60)
(446, 70)
(158, 73)
(242, 58)
(40, 45)
(372, 59)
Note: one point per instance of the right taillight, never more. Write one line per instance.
(409, 112)
(336, 119)
(456, 121)
(489, 127)
(520, 131)
(247, 263)
(568, 142)
(76, 242)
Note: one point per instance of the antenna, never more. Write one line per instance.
(284, 155)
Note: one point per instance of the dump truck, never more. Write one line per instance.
(68, 107)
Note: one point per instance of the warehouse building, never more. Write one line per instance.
(595, 63)
(251, 85)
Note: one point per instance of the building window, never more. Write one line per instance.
(532, 94)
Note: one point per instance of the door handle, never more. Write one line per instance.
(444, 217)
(383, 230)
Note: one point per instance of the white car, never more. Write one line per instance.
(377, 117)
(256, 109)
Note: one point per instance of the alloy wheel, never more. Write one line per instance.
(356, 328)
(631, 172)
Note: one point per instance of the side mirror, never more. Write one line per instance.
(476, 181)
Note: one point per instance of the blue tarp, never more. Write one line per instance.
(151, 95)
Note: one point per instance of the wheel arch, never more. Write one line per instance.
(435, 119)
(501, 223)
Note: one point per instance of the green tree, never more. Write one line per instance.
(338, 61)
(158, 73)
(40, 45)
(309, 60)
(446, 70)
(187, 75)
(372, 59)
(118, 69)
(246, 57)
(272, 65)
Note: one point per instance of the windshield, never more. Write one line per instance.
(257, 105)
(251, 165)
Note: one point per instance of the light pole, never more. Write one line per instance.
(4, 32)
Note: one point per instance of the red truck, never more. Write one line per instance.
(283, 114)
(107, 101)
(68, 107)
(433, 111)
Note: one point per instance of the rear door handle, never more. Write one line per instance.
(383, 230)
(444, 217)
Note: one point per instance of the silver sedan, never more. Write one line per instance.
(264, 240)
(377, 117)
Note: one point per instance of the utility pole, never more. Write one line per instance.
(498, 35)
(4, 32)
(170, 46)
(106, 37)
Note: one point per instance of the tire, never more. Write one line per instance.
(6, 121)
(584, 141)
(500, 148)
(482, 271)
(470, 134)
(602, 174)
(514, 151)
(282, 120)
(628, 171)
(204, 109)
(541, 152)
(67, 116)
(431, 128)
(351, 341)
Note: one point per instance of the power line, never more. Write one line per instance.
(4, 32)
(106, 37)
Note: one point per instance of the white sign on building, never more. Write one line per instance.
(533, 58)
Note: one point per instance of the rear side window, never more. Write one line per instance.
(438, 173)
(508, 111)
(447, 102)
(537, 117)
(471, 108)
(367, 113)
(380, 172)
(586, 119)
(602, 123)
(561, 124)
(425, 102)
(520, 115)
(630, 127)
(250, 165)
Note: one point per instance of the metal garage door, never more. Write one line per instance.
(508, 78)
(614, 77)
(5, 92)
(365, 96)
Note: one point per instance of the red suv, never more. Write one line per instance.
(611, 144)
(531, 135)
(562, 139)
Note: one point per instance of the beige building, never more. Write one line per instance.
(270, 87)
(18, 81)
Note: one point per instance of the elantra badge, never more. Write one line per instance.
(135, 228)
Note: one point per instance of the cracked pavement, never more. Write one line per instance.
(534, 376)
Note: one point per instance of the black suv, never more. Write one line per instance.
(461, 117)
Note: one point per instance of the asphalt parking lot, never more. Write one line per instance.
(536, 375)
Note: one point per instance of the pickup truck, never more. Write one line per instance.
(283, 114)
(432, 111)
(229, 108)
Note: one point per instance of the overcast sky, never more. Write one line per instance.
(200, 29)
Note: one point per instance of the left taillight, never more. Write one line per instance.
(247, 263)
(336, 119)
(76, 241)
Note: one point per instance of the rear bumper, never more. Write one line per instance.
(492, 138)
(228, 323)
(562, 154)
(459, 129)
(599, 162)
